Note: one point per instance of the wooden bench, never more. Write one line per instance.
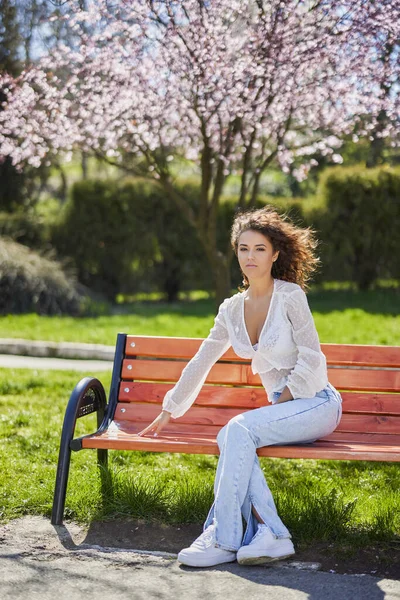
(145, 367)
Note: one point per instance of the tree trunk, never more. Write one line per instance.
(222, 277)
(375, 155)
(84, 165)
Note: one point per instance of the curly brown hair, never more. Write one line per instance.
(296, 261)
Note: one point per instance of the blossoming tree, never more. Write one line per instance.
(231, 85)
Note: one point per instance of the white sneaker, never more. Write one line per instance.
(264, 547)
(203, 553)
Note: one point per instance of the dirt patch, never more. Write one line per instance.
(382, 560)
(36, 534)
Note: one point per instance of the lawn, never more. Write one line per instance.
(318, 500)
(341, 316)
(324, 500)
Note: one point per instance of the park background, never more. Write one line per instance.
(100, 236)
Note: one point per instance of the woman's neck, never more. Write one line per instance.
(260, 289)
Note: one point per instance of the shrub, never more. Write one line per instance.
(32, 283)
(25, 228)
(128, 237)
(99, 228)
(358, 223)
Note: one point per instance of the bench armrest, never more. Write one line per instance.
(87, 397)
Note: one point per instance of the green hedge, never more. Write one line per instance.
(128, 237)
(358, 222)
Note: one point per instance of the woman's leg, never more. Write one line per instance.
(257, 488)
(240, 483)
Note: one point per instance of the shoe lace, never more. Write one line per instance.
(206, 538)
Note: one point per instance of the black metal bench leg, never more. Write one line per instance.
(87, 397)
(102, 458)
(106, 486)
(60, 491)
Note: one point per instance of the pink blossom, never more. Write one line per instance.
(222, 79)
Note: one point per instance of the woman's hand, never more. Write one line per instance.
(158, 423)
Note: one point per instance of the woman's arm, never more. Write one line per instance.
(285, 396)
(180, 398)
(309, 374)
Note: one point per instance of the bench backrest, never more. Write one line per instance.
(146, 367)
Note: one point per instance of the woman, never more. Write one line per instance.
(269, 321)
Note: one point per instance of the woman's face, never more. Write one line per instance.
(256, 255)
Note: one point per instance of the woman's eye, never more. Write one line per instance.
(245, 249)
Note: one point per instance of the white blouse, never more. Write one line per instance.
(288, 351)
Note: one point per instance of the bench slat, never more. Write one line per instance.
(320, 450)
(190, 431)
(367, 380)
(241, 374)
(171, 371)
(209, 417)
(343, 354)
(365, 438)
(248, 398)
(211, 395)
(361, 355)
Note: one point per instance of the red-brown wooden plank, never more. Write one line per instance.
(235, 374)
(365, 379)
(164, 370)
(385, 404)
(248, 398)
(125, 430)
(318, 450)
(146, 413)
(364, 438)
(338, 354)
(210, 395)
(362, 355)
(141, 412)
(369, 423)
(128, 429)
(323, 450)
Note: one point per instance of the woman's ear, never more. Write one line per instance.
(276, 256)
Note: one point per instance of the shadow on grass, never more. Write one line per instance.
(310, 513)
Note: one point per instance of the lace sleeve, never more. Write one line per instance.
(180, 398)
(309, 374)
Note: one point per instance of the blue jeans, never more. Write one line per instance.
(239, 480)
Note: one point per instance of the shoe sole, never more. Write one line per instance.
(191, 562)
(261, 560)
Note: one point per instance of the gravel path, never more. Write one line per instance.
(38, 560)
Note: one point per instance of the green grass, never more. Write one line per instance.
(341, 316)
(355, 501)
(318, 500)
